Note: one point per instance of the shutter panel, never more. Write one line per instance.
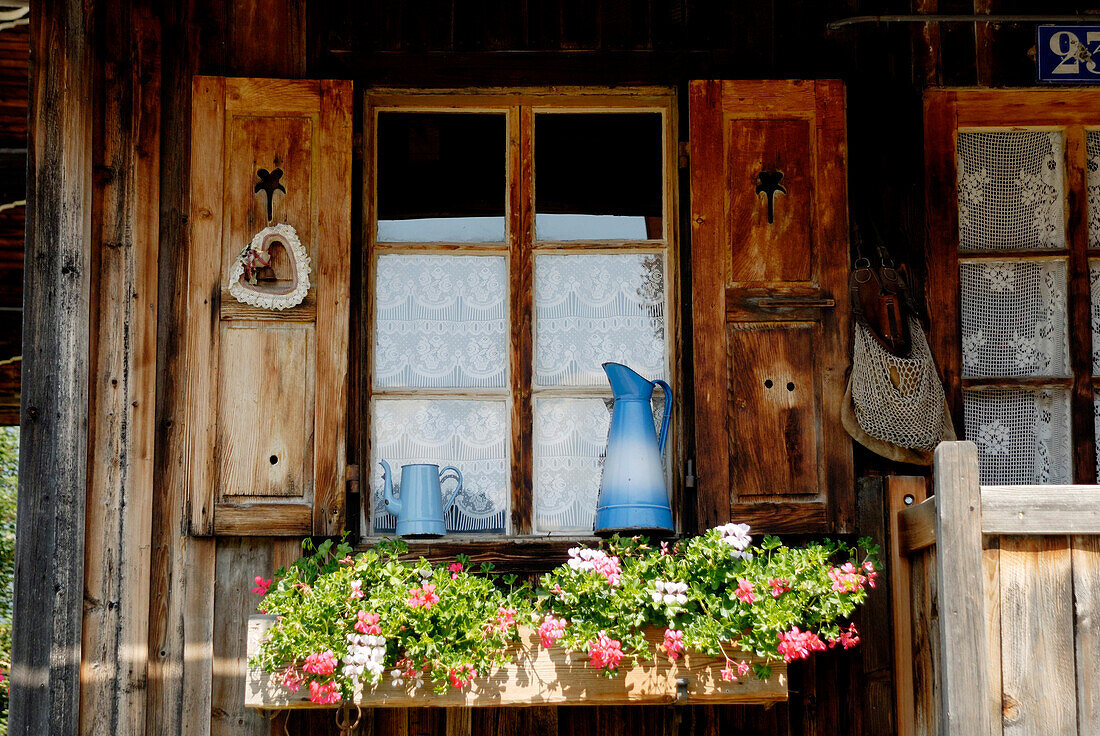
(267, 389)
(770, 304)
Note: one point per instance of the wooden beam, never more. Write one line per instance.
(961, 624)
(903, 493)
(1041, 509)
(541, 676)
(49, 554)
(917, 526)
(118, 527)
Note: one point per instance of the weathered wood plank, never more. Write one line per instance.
(1037, 649)
(991, 590)
(540, 676)
(1041, 509)
(963, 647)
(1086, 592)
(237, 564)
(917, 526)
(182, 573)
(53, 471)
(902, 493)
(926, 651)
(118, 526)
(874, 695)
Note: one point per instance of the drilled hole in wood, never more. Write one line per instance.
(790, 386)
(909, 499)
(768, 383)
(273, 459)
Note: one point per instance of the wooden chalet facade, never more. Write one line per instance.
(176, 442)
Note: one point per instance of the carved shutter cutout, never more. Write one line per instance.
(268, 389)
(770, 304)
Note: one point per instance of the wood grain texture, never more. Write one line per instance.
(1037, 647)
(902, 493)
(181, 613)
(274, 390)
(991, 592)
(540, 676)
(521, 236)
(53, 470)
(1085, 552)
(942, 245)
(1041, 509)
(118, 526)
(964, 650)
(765, 429)
(916, 525)
(1079, 305)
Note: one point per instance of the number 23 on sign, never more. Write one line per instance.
(1069, 53)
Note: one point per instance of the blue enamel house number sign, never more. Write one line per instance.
(1069, 53)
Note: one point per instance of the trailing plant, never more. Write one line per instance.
(344, 621)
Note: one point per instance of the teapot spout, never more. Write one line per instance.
(626, 383)
(392, 504)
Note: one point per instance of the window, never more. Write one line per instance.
(1015, 264)
(516, 241)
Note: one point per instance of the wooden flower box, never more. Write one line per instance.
(540, 676)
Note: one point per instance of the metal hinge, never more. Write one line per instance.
(684, 154)
(689, 474)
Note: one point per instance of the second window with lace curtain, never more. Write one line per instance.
(516, 242)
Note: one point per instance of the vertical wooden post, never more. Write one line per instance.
(964, 711)
(49, 554)
(898, 489)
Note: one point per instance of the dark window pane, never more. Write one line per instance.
(441, 177)
(598, 176)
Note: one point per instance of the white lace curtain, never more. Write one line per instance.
(1011, 194)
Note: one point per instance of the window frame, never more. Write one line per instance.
(1074, 111)
(519, 248)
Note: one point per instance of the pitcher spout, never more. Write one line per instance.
(392, 504)
(626, 383)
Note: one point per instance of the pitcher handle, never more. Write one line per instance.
(667, 416)
(454, 493)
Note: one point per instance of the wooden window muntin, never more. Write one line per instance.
(519, 248)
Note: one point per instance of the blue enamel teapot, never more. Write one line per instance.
(420, 509)
(632, 490)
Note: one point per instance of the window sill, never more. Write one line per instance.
(540, 676)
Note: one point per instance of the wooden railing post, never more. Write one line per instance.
(964, 709)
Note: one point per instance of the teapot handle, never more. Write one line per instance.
(454, 493)
(667, 415)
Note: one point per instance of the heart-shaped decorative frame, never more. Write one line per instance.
(256, 252)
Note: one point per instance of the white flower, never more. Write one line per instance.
(396, 679)
(735, 535)
(425, 573)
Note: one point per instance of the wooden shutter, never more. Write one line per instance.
(770, 304)
(267, 399)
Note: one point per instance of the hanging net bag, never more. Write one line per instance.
(894, 404)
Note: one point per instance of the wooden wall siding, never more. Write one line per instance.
(14, 57)
(49, 559)
(125, 234)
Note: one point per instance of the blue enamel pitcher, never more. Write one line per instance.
(420, 509)
(632, 491)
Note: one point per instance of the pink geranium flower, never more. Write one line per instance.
(745, 591)
(423, 597)
(455, 568)
(550, 630)
(323, 693)
(605, 652)
(367, 623)
(356, 590)
(846, 639)
(673, 643)
(323, 663)
(779, 586)
(795, 644)
(846, 578)
(727, 672)
(293, 679)
(261, 585)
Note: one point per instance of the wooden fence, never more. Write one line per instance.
(997, 604)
